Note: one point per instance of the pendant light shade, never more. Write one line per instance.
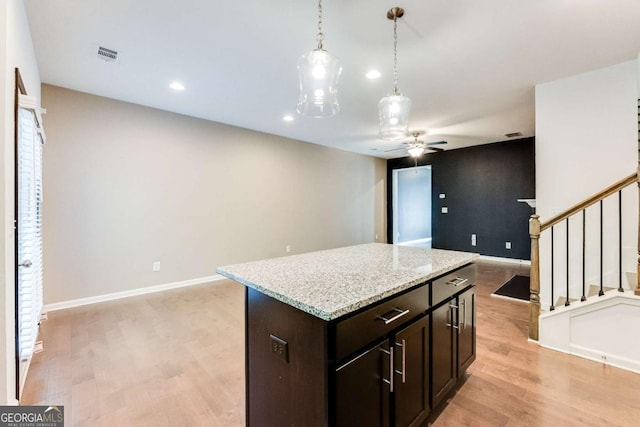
(319, 74)
(394, 117)
(394, 109)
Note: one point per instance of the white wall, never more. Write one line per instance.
(126, 185)
(16, 50)
(586, 139)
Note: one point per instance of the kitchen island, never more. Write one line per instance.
(372, 334)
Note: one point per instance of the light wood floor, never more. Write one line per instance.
(177, 358)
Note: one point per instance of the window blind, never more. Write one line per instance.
(30, 272)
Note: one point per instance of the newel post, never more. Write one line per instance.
(534, 285)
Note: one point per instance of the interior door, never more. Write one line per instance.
(28, 229)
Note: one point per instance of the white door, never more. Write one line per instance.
(30, 139)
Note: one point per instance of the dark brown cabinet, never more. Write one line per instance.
(466, 330)
(443, 351)
(366, 392)
(386, 365)
(362, 397)
(411, 381)
(454, 342)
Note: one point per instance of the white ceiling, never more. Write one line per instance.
(470, 67)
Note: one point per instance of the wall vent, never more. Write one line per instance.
(107, 55)
(513, 134)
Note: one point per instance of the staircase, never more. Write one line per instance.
(589, 302)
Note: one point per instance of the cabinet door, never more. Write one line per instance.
(411, 386)
(443, 352)
(362, 394)
(466, 330)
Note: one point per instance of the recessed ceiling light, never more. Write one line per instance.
(373, 74)
(176, 86)
(287, 118)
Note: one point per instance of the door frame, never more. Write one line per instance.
(393, 218)
(19, 90)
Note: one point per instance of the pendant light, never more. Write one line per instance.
(319, 73)
(394, 109)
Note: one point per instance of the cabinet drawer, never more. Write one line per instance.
(452, 283)
(365, 327)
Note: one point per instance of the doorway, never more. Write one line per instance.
(28, 140)
(412, 206)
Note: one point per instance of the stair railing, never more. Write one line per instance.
(536, 227)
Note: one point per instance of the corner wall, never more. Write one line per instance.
(16, 50)
(586, 139)
(481, 185)
(127, 185)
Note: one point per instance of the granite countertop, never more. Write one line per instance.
(329, 284)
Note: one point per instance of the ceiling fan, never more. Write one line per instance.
(416, 147)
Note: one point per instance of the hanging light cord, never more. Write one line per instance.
(395, 55)
(320, 36)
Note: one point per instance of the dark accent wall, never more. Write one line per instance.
(481, 185)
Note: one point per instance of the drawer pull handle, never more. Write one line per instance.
(404, 360)
(390, 380)
(450, 317)
(399, 314)
(457, 281)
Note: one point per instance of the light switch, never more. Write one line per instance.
(445, 209)
(442, 195)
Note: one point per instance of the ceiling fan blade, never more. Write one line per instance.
(435, 149)
(437, 143)
(382, 150)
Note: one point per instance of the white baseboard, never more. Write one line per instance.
(130, 293)
(606, 358)
(597, 356)
(510, 260)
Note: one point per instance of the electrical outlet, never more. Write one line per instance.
(473, 240)
(507, 245)
(376, 237)
(279, 347)
(44, 317)
(445, 209)
(287, 248)
(38, 347)
(442, 195)
(156, 266)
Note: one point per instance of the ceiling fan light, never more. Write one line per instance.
(394, 117)
(415, 151)
(319, 73)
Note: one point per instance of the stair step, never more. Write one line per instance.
(595, 290)
(561, 301)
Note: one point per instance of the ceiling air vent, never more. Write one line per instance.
(107, 55)
(513, 134)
